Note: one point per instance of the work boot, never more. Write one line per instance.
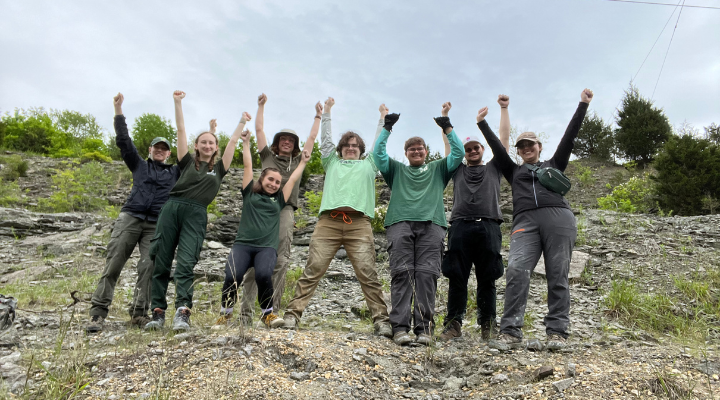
(158, 320)
(424, 339)
(272, 321)
(289, 322)
(140, 321)
(555, 342)
(224, 319)
(181, 321)
(402, 338)
(505, 342)
(488, 329)
(384, 329)
(95, 325)
(452, 330)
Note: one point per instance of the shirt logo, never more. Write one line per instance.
(273, 200)
(211, 173)
(423, 168)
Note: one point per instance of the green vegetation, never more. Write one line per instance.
(149, 126)
(643, 128)
(584, 174)
(224, 139)
(293, 275)
(633, 196)
(13, 167)
(213, 209)
(79, 188)
(595, 139)
(314, 165)
(313, 202)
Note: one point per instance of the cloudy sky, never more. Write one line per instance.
(411, 55)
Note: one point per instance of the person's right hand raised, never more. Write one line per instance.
(586, 96)
(262, 99)
(178, 95)
(383, 110)
(245, 135)
(329, 103)
(482, 113)
(118, 100)
(503, 100)
(245, 117)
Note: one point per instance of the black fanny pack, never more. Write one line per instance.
(551, 178)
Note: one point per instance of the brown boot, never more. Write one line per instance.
(452, 330)
(488, 329)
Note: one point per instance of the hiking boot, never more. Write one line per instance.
(181, 321)
(384, 329)
(140, 320)
(401, 338)
(452, 331)
(505, 342)
(224, 319)
(555, 342)
(158, 320)
(488, 329)
(246, 320)
(95, 325)
(424, 339)
(289, 322)
(272, 321)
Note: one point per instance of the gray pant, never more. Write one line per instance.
(415, 256)
(250, 289)
(550, 231)
(128, 232)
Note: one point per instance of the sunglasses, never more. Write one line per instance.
(525, 144)
(474, 148)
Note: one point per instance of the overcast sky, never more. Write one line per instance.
(410, 55)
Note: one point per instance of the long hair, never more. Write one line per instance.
(346, 138)
(257, 187)
(211, 163)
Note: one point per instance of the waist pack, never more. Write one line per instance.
(551, 178)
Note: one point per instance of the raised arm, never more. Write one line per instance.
(247, 158)
(562, 154)
(213, 126)
(383, 112)
(260, 122)
(447, 145)
(310, 142)
(504, 130)
(455, 155)
(382, 160)
(499, 152)
(232, 143)
(288, 188)
(129, 153)
(327, 147)
(182, 144)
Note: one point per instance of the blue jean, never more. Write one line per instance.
(242, 258)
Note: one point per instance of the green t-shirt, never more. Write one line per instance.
(198, 185)
(260, 218)
(287, 166)
(349, 183)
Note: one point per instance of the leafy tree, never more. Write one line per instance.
(149, 126)
(28, 133)
(224, 139)
(688, 170)
(432, 156)
(314, 165)
(79, 126)
(643, 129)
(712, 133)
(595, 139)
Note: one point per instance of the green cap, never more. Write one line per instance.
(160, 139)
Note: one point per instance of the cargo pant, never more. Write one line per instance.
(353, 231)
(550, 231)
(415, 249)
(182, 225)
(474, 241)
(128, 232)
(250, 289)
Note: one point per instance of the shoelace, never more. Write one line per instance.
(346, 218)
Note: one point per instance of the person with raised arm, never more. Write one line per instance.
(183, 220)
(135, 226)
(542, 224)
(474, 235)
(348, 205)
(257, 239)
(416, 224)
(284, 155)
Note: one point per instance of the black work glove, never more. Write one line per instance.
(443, 122)
(390, 120)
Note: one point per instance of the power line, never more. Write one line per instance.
(663, 4)
(656, 40)
(668, 49)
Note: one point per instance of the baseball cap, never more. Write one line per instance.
(527, 136)
(160, 139)
(471, 139)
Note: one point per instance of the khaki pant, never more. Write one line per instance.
(330, 233)
(250, 289)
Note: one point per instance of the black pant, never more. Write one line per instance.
(473, 242)
(242, 258)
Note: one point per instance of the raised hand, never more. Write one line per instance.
(118, 100)
(178, 95)
(446, 109)
(503, 100)
(213, 125)
(245, 136)
(318, 109)
(245, 117)
(329, 103)
(305, 156)
(383, 110)
(262, 99)
(586, 96)
(482, 113)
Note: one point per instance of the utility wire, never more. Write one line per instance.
(656, 40)
(662, 4)
(668, 49)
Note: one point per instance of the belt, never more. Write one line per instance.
(481, 219)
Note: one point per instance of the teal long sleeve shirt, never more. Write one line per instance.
(417, 192)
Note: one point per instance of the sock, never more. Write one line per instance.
(226, 311)
(267, 311)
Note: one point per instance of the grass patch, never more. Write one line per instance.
(293, 275)
(53, 292)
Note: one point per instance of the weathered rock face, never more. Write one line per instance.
(19, 222)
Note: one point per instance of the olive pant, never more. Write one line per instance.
(357, 238)
(250, 289)
(128, 232)
(182, 224)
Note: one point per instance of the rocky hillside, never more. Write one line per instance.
(645, 315)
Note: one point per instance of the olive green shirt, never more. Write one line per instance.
(287, 166)
(199, 185)
(260, 218)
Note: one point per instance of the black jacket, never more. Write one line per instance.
(152, 180)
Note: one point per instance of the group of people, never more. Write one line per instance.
(166, 212)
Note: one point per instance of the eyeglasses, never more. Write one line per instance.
(525, 144)
(352, 145)
(474, 148)
(415, 149)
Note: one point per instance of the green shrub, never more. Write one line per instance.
(378, 223)
(633, 196)
(313, 202)
(13, 167)
(81, 188)
(10, 194)
(314, 165)
(213, 209)
(95, 156)
(584, 174)
(28, 134)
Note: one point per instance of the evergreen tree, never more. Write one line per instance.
(595, 139)
(642, 128)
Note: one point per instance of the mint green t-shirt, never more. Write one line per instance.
(349, 183)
